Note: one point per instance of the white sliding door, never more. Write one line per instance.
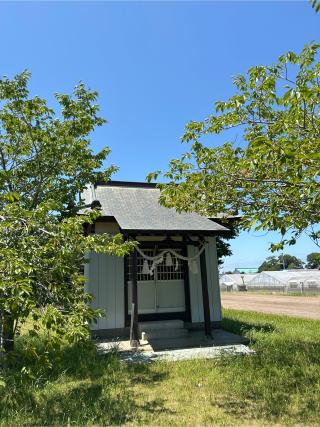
(162, 292)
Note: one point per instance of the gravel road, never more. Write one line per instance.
(307, 307)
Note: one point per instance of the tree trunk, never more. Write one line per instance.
(8, 333)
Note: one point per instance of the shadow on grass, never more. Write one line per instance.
(245, 328)
(156, 407)
(73, 385)
(138, 374)
(281, 382)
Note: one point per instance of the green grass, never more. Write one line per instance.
(279, 385)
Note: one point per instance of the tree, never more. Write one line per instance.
(45, 155)
(223, 247)
(313, 260)
(282, 262)
(289, 262)
(271, 176)
(45, 162)
(270, 264)
(40, 271)
(315, 4)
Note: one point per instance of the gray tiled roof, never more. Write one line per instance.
(137, 208)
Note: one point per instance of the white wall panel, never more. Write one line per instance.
(106, 283)
(213, 279)
(195, 289)
(213, 284)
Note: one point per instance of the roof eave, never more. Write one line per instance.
(222, 233)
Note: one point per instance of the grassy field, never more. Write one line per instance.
(280, 385)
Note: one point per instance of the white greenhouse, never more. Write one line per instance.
(286, 281)
(235, 281)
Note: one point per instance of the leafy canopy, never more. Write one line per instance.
(313, 260)
(287, 262)
(46, 155)
(271, 175)
(315, 4)
(45, 163)
(41, 259)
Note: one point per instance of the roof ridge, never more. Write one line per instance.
(133, 184)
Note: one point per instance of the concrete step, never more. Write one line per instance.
(179, 343)
(166, 333)
(161, 324)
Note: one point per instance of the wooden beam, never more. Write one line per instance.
(134, 333)
(205, 294)
(161, 244)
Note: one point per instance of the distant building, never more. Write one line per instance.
(235, 281)
(286, 280)
(246, 270)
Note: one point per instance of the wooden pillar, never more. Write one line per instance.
(134, 332)
(205, 294)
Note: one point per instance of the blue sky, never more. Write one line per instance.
(156, 65)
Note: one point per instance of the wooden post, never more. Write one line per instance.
(132, 341)
(134, 333)
(205, 294)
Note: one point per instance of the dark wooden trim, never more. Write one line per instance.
(134, 338)
(205, 294)
(165, 244)
(149, 317)
(170, 233)
(186, 286)
(227, 219)
(126, 184)
(126, 274)
(107, 218)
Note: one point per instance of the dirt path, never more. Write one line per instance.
(308, 307)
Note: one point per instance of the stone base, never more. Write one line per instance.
(125, 332)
